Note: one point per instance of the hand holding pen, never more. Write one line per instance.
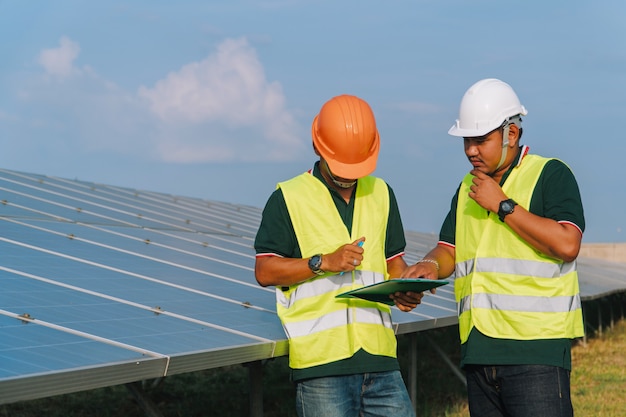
(352, 257)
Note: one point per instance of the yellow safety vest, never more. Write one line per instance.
(321, 328)
(504, 287)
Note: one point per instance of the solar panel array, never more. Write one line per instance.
(105, 285)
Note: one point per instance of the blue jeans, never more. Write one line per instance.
(518, 391)
(381, 394)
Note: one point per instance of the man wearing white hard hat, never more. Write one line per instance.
(511, 238)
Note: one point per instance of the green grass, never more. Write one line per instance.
(599, 374)
(598, 386)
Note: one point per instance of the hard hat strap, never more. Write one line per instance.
(505, 143)
(335, 181)
(513, 120)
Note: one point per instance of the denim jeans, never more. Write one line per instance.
(380, 394)
(518, 391)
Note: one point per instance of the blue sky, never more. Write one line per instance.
(215, 99)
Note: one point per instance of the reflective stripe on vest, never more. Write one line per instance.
(503, 286)
(517, 267)
(322, 329)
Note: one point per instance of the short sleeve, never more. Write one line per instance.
(395, 239)
(447, 233)
(557, 195)
(276, 234)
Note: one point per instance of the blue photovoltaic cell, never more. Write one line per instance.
(117, 321)
(27, 348)
(110, 268)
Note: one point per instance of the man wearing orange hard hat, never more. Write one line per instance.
(324, 232)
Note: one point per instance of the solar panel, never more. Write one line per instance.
(104, 285)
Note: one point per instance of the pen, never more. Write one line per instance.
(360, 244)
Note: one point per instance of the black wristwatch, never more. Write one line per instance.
(506, 207)
(315, 264)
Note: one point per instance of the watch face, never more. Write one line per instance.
(315, 262)
(506, 208)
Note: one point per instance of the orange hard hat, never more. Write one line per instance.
(345, 135)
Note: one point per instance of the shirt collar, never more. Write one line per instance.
(520, 156)
(522, 152)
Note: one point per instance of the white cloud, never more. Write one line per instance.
(219, 109)
(229, 85)
(226, 93)
(60, 61)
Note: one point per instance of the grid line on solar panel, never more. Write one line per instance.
(251, 307)
(108, 231)
(142, 276)
(155, 310)
(449, 299)
(7, 203)
(55, 217)
(247, 245)
(420, 312)
(80, 208)
(600, 278)
(157, 211)
(227, 210)
(230, 213)
(90, 336)
(48, 264)
(33, 349)
(130, 324)
(73, 209)
(116, 249)
(200, 243)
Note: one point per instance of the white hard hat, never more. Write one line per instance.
(485, 106)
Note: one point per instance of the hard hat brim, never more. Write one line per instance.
(455, 130)
(353, 171)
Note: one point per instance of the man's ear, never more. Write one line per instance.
(515, 133)
(315, 150)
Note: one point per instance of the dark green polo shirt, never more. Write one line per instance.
(277, 236)
(556, 197)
